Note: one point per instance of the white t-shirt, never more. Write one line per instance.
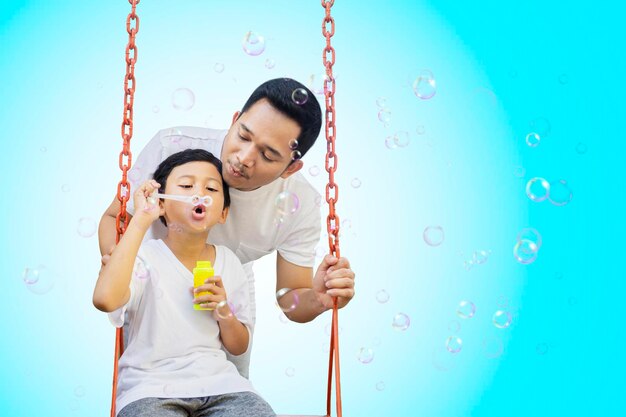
(256, 225)
(173, 350)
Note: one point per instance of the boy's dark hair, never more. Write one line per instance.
(308, 115)
(165, 168)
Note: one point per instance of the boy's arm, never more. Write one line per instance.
(113, 285)
(233, 333)
(107, 232)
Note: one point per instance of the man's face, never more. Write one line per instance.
(256, 148)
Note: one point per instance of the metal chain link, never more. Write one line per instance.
(332, 189)
(126, 157)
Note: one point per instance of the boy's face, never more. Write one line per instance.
(194, 178)
(256, 148)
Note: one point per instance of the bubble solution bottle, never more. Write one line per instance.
(201, 272)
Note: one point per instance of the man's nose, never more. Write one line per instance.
(246, 156)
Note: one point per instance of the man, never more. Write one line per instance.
(273, 205)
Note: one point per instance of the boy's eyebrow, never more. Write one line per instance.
(269, 148)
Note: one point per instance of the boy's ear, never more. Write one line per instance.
(224, 215)
(294, 167)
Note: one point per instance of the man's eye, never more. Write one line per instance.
(185, 186)
(266, 158)
(244, 138)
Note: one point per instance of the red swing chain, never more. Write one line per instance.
(123, 187)
(332, 221)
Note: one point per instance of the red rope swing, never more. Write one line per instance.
(332, 189)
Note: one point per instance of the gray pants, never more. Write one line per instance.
(236, 404)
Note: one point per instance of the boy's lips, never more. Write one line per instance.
(199, 212)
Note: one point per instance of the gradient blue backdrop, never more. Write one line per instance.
(502, 71)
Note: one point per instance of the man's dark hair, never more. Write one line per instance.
(308, 115)
(165, 168)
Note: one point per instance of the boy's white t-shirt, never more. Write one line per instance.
(175, 351)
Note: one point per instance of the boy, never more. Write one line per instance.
(173, 364)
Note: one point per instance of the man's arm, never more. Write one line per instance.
(107, 232)
(333, 278)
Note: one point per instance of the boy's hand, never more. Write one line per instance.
(147, 209)
(334, 278)
(215, 286)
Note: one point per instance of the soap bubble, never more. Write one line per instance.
(86, 227)
(65, 188)
(560, 193)
(519, 171)
(287, 203)
(218, 67)
(380, 386)
(433, 235)
(314, 171)
(141, 269)
(424, 86)
(420, 129)
(38, 280)
(295, 155)
(454, 344)
(79, 391)
(480, 257)
(542, 348)
(355, 183)
(365, 355)
(563, 79)
(293, 144)
(402, 139)
(183, 99)
(156, 109)
(253, 44)
(270, 63)
(538, 189)
(300, 96)
(502, 319)
(401, 322)
(581, 148)
(287, 300)
(382, 296)
(290, 371)
(329, 328)
(466, 309)
(381, 102)
(225, 309)
(525, 251)
(533, 139)
(384, 115)
(390, 142)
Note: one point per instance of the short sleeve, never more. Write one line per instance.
(298, 246)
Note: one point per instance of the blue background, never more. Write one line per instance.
(502, 70)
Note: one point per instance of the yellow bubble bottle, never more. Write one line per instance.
(201, 272)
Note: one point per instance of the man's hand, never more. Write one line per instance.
(334, 278)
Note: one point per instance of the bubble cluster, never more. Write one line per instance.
(253, 44)
(183, 99)
(466, 309)
(433, 235)
(401, 322)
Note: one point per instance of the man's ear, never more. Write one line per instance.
(235, 117)
(294, 167)
(224, 215)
